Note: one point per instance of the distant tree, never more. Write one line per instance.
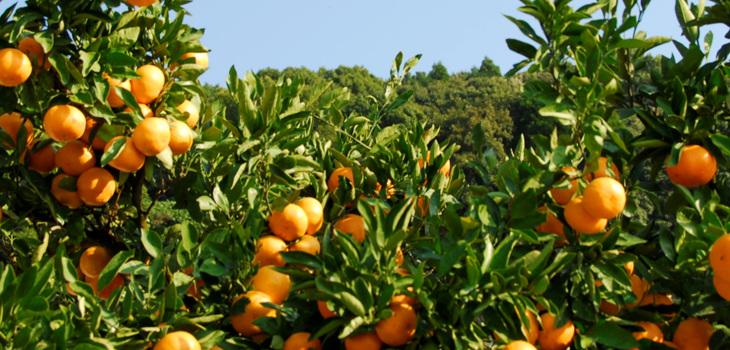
(439, 72)
(487, 69)
(216, 93)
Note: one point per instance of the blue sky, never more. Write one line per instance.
(253, 35)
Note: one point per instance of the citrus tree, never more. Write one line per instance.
(598, 238)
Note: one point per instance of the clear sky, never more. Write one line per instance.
(253, 35)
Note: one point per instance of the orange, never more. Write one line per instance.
(352, 224)
(399, 257)
(98, 143)
(193, 113)
(555, 339)
(534, 331)
(180, 340)
(390, 190)
(194, 290)
(308, 244)
(75, 157)
(11, 122)
(152, 136)
(67, 198)
(93, 260)
(15, 67)
(33, 48)
(670, 344)
(275, 284)
(722, 286)
(254, 310)
(129, 159)
(563, 196)
(609, 308)
(267, 251)
(520, 345)
(324, 310)
(629, 266)
(399, 328)
(334, 179)
(64, 123)
(656, 299)
(604, 198)
(639, 287)
(43, 160)
(602, 170)
(290, 224)
(96, 186)
(114, 100)
(181, 138)
(696, 167)
(580, 220)
(201, 59)
(116, 283)
(720, 257)
(693, 334)
(365, 341)
(402, 298)
(300, 341)
(651, 332)
(141, 3)
(147, 88)
(446, 169)
(553, 225)
(146, 111)
(315, 213)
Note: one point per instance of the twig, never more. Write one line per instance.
(342, 132)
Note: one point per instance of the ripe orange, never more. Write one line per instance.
(555, 339)
(254, 310)
(33, 48)
(553, 225)
(696, 167)
(446, 169)
(390, 190)
(720, 257)
(400, 328)
(152, 136)
(181, 137)
(267, 251)
(399, 257)
(670, 344)
(194, 290)
(114, 100)
(693, 334)
(519, 345)
(43, 160)
(201, 59)
(146, 111)
(609, 308)
(308, 244)
(334, 179)
(651, 332)
(94, 260)
(602, 170)
(290, 224)
(11, 122)
(722, 286)
(141, 3)
(629, 266)
(67, 198)
(365, 341)
(324, 310)
(15, 67)
(98, 143)
(96, 186)
(148, 88)
(75, 158)
(64, 123)
(193, 113)
(299, 341)
(116, 283)
(129, 159)
(352, 224)
(639, 287)
(275, 284)
(178, 341)
(656, 299)
(315, 213)
(580, 220)
(564, 196)
(604, 198)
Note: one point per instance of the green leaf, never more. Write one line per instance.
(189, 236)
(722, 142)
(302, 258)
(453, 255)
(522, 48)
(503, 252)
(114, 150)
(112, 268)
(152, 243)
(612, 335)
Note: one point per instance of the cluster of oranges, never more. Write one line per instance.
(549, 337)
(69, 125)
